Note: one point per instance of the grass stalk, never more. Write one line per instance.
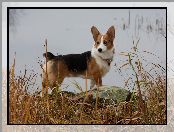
(86, 83)
(47, 101)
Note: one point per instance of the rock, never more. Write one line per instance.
(113, 93)
(108, 94)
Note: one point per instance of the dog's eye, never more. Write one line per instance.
(105, 42)
(98, 42)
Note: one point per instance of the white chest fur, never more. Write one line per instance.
(99, 57)
(103, 65)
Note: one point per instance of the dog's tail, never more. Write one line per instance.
(50, 56)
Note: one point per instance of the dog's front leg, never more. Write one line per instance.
(92, 83)
(98, 80)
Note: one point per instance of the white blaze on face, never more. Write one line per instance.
(102, 46)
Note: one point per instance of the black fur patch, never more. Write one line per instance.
(76, 62)
(50, 56)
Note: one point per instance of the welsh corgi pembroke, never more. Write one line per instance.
(91, 65)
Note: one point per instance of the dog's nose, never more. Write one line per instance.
(99, 50)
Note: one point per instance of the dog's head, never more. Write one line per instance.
(103, 42)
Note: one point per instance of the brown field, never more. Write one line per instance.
(146, 106)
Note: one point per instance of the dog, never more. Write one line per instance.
(91, 65)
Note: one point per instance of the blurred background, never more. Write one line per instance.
(68, 31)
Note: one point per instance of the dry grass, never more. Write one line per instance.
(147, 104)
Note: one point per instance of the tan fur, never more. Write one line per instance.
(94, 71)
(56, 71)
(107, 39)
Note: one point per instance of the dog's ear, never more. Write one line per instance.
(111, 33)
(95, 32)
